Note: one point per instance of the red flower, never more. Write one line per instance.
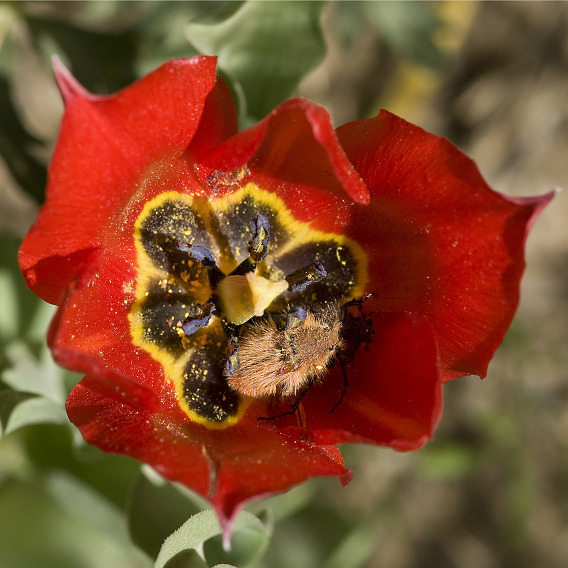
(198, 272)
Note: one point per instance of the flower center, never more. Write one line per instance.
(244, 293)
(198, 285)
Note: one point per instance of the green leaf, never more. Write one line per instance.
(9, 400)
(447, 461)
(250, 538)
(191, 535)
(16, 147)
(157, 508)
(186, 559)
(53, 447)
(287, 504)
(18, 409)
(248, 544)
(408, 28)
(162, 29)
(266, 48)
(37, 531)
(80, 500)
(103, 62)
(19, 306)
(355, 549)
(8, 306)
(33, 375)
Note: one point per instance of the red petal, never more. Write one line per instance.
(81, 340)
(394, 394)
(126, 406)
(115, 426)
(261, 460)
(104, 146)
(219, 121)
(295, 144)
(228, 467)
(440, 242)
(69, 87)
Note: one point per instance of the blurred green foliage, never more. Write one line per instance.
(407, 28)
(255, 50)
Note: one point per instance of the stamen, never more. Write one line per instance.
(198, 253)
(259, 245)
(258, 248)
(203, 255)
(199, 316)
(233, 363)
(296, 317)
(300, 279)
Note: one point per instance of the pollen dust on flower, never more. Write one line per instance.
(129, 289)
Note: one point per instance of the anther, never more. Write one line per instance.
(295, 317)
(199, 316)
(204, 256)
(258, 248)
(299, 280)
(233, 363)
(198, 253)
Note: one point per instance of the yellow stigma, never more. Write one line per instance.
(242, 297)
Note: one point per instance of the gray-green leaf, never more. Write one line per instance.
(250, 538)
(266, 48)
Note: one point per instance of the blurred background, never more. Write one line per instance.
(491, 490)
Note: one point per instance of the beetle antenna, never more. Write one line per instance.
(294, 408)
(345, 385)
